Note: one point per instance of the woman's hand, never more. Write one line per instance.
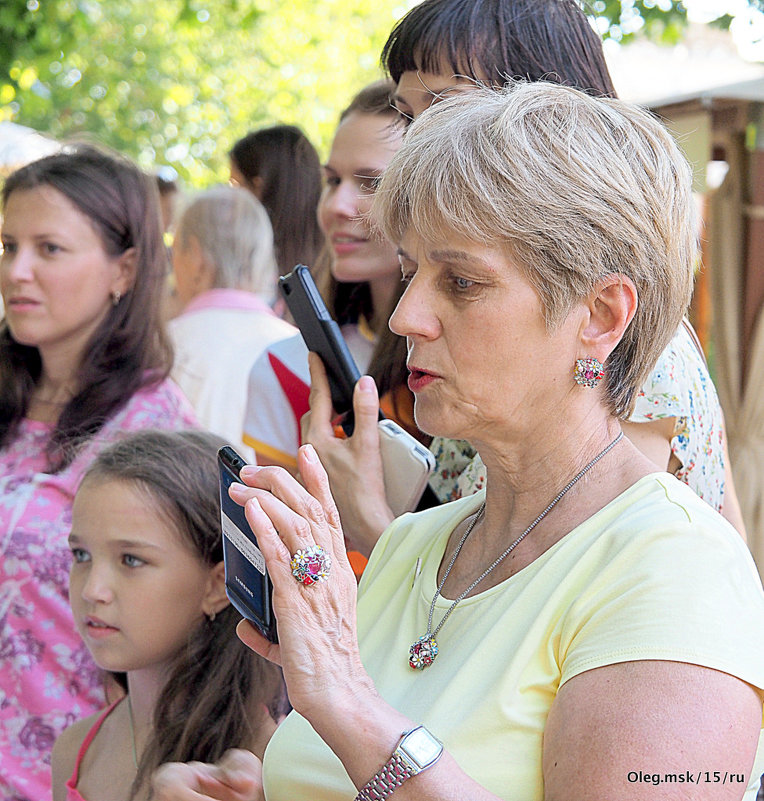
(236, 777)
(354, 465)
(318, 647)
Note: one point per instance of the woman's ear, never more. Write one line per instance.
(257, 186)
(611, 307)
(215, 598)
(126, 269)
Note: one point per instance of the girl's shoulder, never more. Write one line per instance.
(69, 749)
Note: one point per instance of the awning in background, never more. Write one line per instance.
(19, 145)
(714, 102)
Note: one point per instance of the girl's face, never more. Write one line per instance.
(56, 278)
(137, 590)
(417, 91)
(363, 146)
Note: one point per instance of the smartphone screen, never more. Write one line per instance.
(248, 585)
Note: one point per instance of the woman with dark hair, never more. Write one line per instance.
(83, 359)
(156, 611)
(281, 168)
(492, 41)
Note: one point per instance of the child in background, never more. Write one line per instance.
(147, 589)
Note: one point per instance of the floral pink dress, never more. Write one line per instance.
(47, 679)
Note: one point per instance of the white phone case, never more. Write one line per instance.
(406, 465)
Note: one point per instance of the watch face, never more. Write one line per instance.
(422, 747)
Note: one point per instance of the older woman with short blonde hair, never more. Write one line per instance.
(225, 278)
(585, 627)
(617, 201)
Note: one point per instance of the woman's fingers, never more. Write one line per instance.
(317, 484)
(240, 768)
(236, 777)
(366, 413)
(303, 514)
(255, 641)
(276, 551)
(319, 423)
(282, 533)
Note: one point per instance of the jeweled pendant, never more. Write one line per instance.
(423, 652)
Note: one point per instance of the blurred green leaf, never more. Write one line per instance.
(178, 81)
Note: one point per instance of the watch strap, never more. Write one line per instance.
(387, 779)
(401, 766)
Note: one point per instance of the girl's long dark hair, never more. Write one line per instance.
(129, 349)
(216, 685)
(290, 172)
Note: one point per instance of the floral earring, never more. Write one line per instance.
(588, 372)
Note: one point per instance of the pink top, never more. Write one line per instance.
(72, 793)
(235, 299)
(47, 678)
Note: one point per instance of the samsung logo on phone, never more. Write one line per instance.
(244, 587)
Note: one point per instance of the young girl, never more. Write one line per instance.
(147, 590)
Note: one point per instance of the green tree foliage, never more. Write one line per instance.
(178, 81)
(662, 20)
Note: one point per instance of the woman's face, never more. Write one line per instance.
(55, 276)
(482, 362)
(363, 147)
(418, 90)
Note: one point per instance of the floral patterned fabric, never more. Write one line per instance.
(679, 386)
(47, 678)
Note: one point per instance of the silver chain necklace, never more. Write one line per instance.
(423, 652)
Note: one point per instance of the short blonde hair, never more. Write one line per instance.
(573, 188)
(235, 235)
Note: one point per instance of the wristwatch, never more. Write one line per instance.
(416, 751)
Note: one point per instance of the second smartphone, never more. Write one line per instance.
(406, 463)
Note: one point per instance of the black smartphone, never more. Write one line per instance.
(247, 583)
(406, 463)
(322, 335)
